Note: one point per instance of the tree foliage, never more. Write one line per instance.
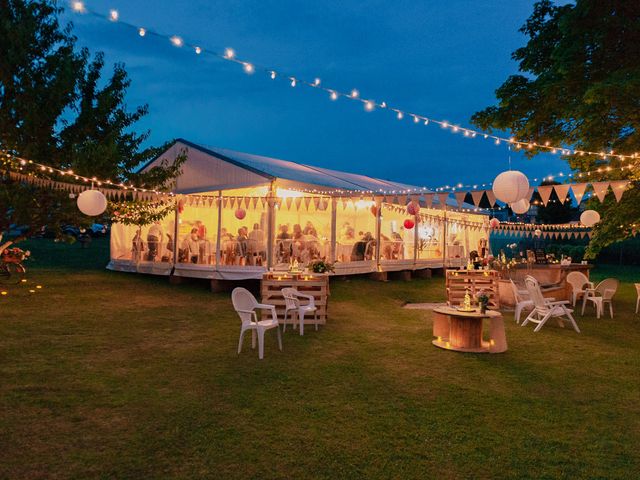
(57, 108)
(579, 87)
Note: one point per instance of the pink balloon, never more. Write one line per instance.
(241, 213)
(494, 223)
(413, 208)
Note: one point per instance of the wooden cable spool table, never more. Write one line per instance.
(462, 331)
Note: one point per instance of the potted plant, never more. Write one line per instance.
(483, 300)
(321, 266)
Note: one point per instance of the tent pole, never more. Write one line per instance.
(218, 256)
(175, 235)
(271, 219)
(378, 232)
(334, 214)
(444, 236)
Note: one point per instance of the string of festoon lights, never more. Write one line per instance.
(368, 104)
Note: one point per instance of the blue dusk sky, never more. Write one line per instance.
(441, 59)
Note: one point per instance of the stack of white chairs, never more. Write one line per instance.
(246, 305)
(543, 309)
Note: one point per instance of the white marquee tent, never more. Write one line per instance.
(240, 214)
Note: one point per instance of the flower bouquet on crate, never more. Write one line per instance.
(15, 255)
(483, 300)
(321, 266)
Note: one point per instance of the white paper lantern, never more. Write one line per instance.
(92, 202)
(511, 186)
(589, 218)
(521, 206)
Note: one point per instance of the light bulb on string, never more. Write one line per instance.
(229, 53)
(355, 93)
(176, 41)
(369, 106)
(142, 32)
(78, 7)
(273, 75)
(333, 95)
(400, 115)
(293, 82)
(316, 82)
(198, 50)
(248, 68)
(114, 15)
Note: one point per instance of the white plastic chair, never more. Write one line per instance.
(637, 285)
(602, 294)
(544, 310)
(246, 305)
(522, 302)
(293, 306)
(579, 284)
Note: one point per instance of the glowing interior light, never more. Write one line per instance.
(113, 15)
(248, 68)
(229, 53)
(142, 32)
(177, 41)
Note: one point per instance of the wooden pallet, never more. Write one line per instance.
(459, 281)
(317, 285)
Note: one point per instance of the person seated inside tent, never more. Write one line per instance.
(309, 229)
(227, 247)
(363, 247)
(241, 245)
(256, 245)
(397, 246)
(347, 234)
(154, 239)
(191, 246)
(137, 247)
(283, 244)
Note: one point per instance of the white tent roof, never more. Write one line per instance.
(211, 168)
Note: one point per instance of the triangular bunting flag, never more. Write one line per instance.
(460, 198)
(254, 202)
(600, 189)
(307, 201)
(442, 198)
(562, 191)
(578, 191)
(618, 188)
(289, 202)
(545, 193)
(477, 197)
(428, 199)
(298, 202)
(491, 197)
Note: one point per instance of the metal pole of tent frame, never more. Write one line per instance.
(378, 231)
(416, 238)
(219, 230)
(444, 236)
(334, 214)
(271, 217)
(175, 235)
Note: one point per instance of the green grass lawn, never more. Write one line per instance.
(114, 375)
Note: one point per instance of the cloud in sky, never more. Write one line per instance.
(441, 59)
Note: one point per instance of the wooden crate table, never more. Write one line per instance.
(317, 285)
(459, 281)
(462, 331)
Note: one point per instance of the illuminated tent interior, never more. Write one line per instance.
(240, 214)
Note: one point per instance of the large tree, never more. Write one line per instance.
(580, 87)
(57, 109)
